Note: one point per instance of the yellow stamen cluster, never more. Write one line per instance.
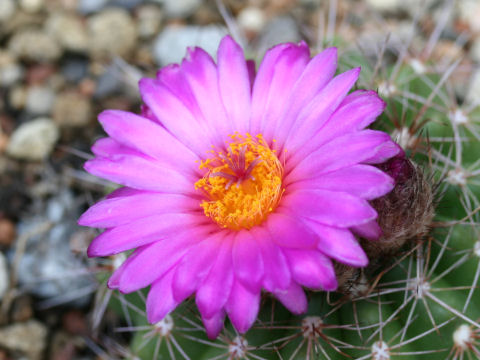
(242, 185)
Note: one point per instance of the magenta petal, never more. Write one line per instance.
(242, 307)
(213, 293)
(370, 230)
(247, 260)
(288, 232)
(317, 74)
(147, 137)
(142, 232)
(318, 111)
(117, 211)
(279, 71)
(328, 207)
(140, 173)
(111, 149)
(312, 269)
(364, 181)
(160, 300)
(276, 272)
(293, 298)
(195, 266)
(344, 151)
(339, 244)
(152, 261)
(201, 74)
(234, 83)
(175, 116)
(384, 152)
(214, 324)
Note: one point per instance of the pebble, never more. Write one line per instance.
(170, 46)
(112, 32)
(34, 45)
(13, 337)
(33, 140)
(7, 233)
(149, 21)
(179, 8)
(68, 30)
(280, 29)
(17, 97)
(7, 9)
(91, 6)
(22, 308)
(75, 69)
(4, 277)
(72, 109)
(39, 100)
(32, 6)
(10, 71)
(64, 276)
(394, 6)
(251, 19)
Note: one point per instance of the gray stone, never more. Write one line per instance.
(49, 269)
(279, 30)
(29, 338)
(39, 100)
(72, 109)
(91, 6)
(69, 31)
(112, 32)
(32, 6)
(75, 69)
(7, 9)
(180, 8)
(170, 46)
(33, 140)
(34, 45)
(4, 277)
(149, 20)
(10, 71)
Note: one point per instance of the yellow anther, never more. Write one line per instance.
(242, 185)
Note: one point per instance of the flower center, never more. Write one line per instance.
(242, 185)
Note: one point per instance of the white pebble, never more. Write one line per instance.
(7, 9)
(33, 140)
(39, 100)
(3, 275)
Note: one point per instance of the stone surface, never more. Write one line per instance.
(10, 71)
(39, 100)
(32, 6)
(280, 29)
(68, 30)
(36, 45)
(72, 109)
(48, 256)
(4, 277)
(170, 46)
(251, 19)
(33, 140)
(149, 18)
(7, 233)
(112, 32)
(179, 8)
(7, 9)
(91, 6)
(29, 338)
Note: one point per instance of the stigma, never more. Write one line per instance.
(242, 184)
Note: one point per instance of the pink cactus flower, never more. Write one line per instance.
(236, 182)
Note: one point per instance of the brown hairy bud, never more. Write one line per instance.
(404, 214)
